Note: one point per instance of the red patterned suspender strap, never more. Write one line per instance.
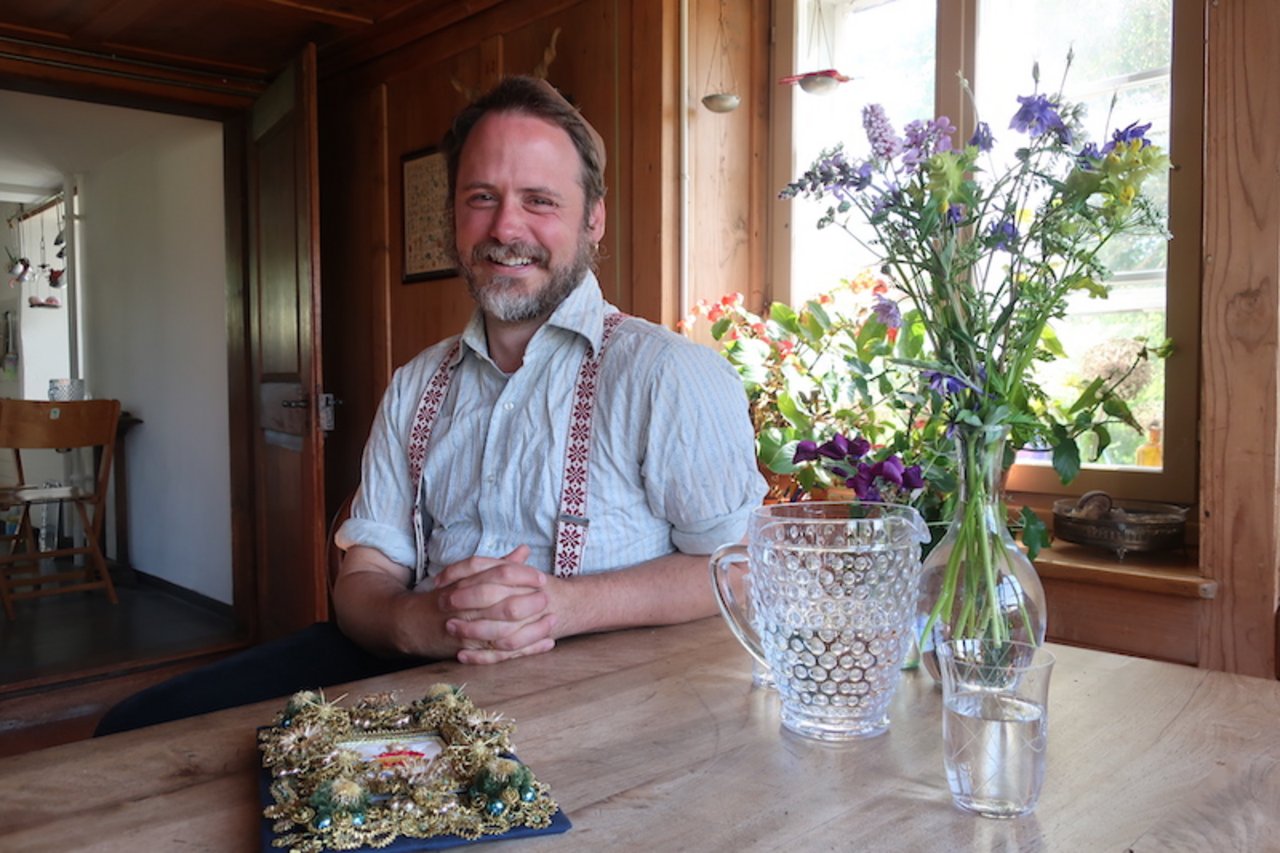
(571, 525)
(420, 436)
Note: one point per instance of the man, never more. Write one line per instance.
(457, 560)
(623, 479)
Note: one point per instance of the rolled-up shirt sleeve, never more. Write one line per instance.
(700, 463)
(382, 510)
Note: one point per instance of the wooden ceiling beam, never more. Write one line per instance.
(116, 18)
(308, 11)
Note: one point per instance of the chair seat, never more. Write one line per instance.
(39, 425)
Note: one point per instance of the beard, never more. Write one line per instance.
(502, 297)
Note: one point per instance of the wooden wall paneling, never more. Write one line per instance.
(1164, 627)
(727, 154)
(585, 70)
(1240, 318)
(356, 265)
(654, 168)
(420, 103)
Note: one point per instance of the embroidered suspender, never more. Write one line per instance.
(572, 522)
(571, 525)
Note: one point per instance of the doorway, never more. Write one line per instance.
(152, 275)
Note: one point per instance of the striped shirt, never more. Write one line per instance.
(672, 460)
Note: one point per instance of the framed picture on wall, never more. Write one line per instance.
(425, 189)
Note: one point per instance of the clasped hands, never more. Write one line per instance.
(497, 607)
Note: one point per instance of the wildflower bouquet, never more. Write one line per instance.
(983, 259)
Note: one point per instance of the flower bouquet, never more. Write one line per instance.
(983, 259)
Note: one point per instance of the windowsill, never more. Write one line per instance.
(1174, 573)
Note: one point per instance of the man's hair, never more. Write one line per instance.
(535, 97)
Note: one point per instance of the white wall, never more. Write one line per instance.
(153, 284)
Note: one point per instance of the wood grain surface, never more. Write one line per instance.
(655, 740)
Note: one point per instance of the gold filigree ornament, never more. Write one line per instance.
(364, 775)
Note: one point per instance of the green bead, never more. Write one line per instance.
(496, 807)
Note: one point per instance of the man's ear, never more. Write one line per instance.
(595, 221)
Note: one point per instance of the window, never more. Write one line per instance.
(1146, 55)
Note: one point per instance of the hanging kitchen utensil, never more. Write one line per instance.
(723, 98)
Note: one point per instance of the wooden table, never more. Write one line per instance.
(654, 740)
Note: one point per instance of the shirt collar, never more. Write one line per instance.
(582, 313)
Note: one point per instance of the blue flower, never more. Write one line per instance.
(1128, 134)
(887, 312)
(982, 138)
(955, 213)
(1088, 157)
(1003, 234)
(944, 383)
(1039, 115)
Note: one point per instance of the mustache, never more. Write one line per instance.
(492, 250)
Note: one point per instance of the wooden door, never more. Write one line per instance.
(284, 329)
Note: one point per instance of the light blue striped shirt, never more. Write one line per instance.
(672, 460)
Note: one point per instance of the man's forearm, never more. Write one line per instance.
(664, 591)
(378, 612)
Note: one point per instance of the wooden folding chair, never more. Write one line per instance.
(34, 425)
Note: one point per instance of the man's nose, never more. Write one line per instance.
(508, 221)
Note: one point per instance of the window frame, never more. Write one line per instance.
(956, 31)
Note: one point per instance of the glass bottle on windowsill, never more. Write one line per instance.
(1151, 454)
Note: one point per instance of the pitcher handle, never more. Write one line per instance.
(734, 607)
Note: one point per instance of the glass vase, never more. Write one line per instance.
(977, 583)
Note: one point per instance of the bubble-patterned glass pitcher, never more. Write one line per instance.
(832, 597)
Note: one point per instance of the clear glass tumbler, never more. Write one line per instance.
(995, 724)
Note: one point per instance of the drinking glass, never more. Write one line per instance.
(995, 723)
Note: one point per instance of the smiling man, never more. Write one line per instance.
(558, 468)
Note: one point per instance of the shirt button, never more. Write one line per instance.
(491, 479)
(508, 406)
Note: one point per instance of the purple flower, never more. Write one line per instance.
(955, 213)
(924, 139)
(1003, 234)
(1128, 134)
(1039, 115)
(982, 138)
(837, 448)
(887, 312)
(944, 383)
(806, 451)
(912, 477)
(890, 469)
(884, 142)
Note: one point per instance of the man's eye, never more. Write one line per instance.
(480, 199)
(538, 201)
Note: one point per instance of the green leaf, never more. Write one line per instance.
(1066, 457)
(1088, 397)
(1119, 409)
(786, 317)
(775, 448)
(720, 327)
(795, 416)
(1034, 534)
(1104, 439)
(1050, 341)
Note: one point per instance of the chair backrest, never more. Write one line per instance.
(334, 556)
(36, 424)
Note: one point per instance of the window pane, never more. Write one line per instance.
(902, 80)
(1122, 55)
